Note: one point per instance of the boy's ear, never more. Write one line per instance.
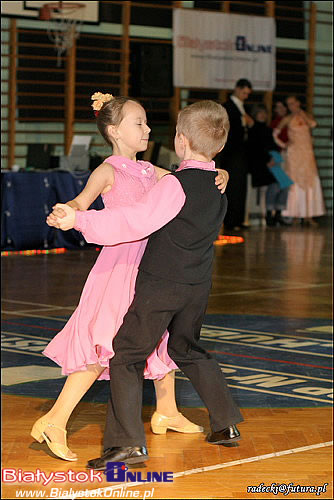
(183, 139)
(221, 149)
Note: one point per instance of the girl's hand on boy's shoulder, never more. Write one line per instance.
(222, 180)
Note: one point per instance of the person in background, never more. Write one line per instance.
(233, 158)
(260, 144)
(305, 199)
(280, 111)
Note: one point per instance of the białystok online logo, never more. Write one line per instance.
(241, 43)
(118, 471)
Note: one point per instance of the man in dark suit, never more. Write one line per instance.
(233, 158)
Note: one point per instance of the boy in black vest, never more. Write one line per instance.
(183, 213)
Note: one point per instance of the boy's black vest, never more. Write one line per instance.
(182, 250)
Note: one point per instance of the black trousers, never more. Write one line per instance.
(158, 305)
(236, 189)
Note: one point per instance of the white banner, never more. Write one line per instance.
(214, 50)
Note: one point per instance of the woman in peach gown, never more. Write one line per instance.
(305, 199)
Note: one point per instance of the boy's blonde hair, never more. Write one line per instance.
(206, 125)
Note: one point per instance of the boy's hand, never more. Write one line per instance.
(62, 222)
(222, 180)
(52, 220)
(58, 212)
(271, 163)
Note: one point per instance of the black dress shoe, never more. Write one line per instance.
(270, 220)
(226, 436)
(127, 454)
(281, 221)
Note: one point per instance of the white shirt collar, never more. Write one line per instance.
(239, 104)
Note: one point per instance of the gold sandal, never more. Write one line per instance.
(38, 432)
(160, 424)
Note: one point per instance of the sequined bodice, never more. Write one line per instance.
(132, 179)
(300, 165)
(299, 132)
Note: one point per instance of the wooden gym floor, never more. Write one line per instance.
(277, 274)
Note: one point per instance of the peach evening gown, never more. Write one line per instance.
(87, 337)
(305, 198)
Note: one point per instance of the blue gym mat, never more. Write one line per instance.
(269, 362)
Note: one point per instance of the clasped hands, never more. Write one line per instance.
(62, 217)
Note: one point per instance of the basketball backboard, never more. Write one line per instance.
(30, 10)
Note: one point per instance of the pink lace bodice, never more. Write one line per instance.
(132, 180)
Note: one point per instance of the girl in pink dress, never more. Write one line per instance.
(84, 346)
(305, 199)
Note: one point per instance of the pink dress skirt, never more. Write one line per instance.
(87, 337)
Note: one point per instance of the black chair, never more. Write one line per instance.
(39, 156)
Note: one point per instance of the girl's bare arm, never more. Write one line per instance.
(100, 181)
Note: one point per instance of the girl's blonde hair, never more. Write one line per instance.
(206, 125)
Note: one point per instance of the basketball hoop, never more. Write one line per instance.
(65, 19)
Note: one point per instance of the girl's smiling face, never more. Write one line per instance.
(132, 134)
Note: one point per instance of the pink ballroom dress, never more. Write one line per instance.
(305, 198)
(87, 337)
